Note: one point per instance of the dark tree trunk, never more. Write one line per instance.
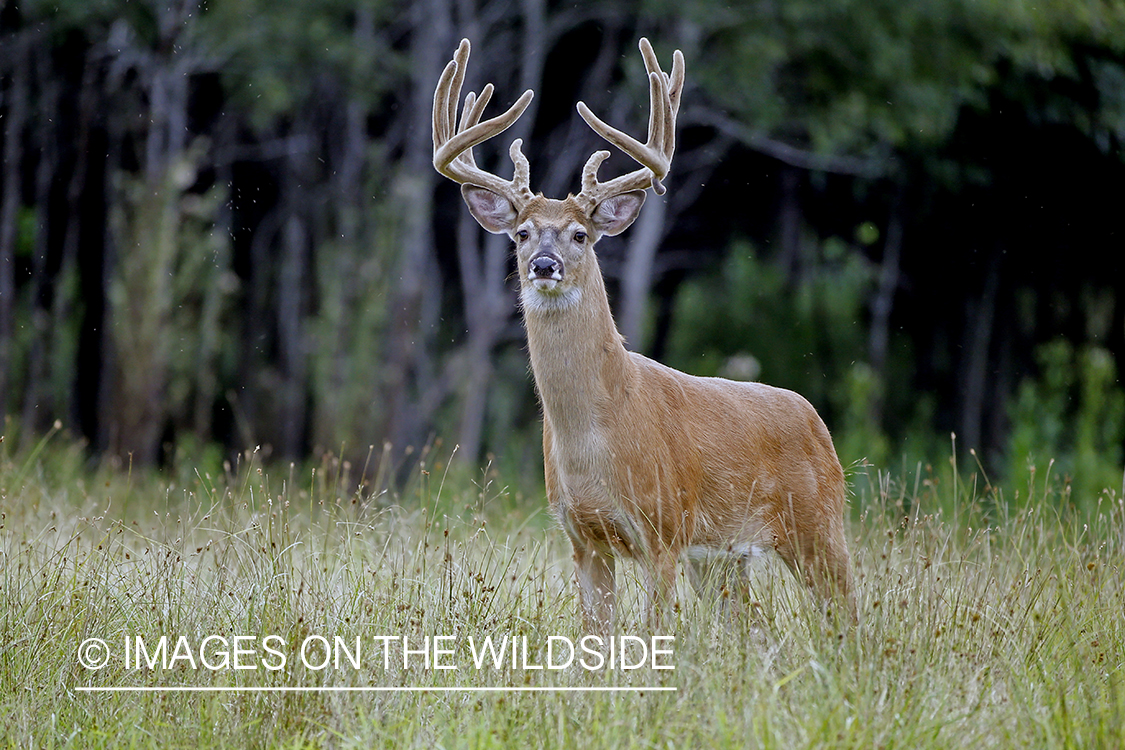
(790, 224)
(83, 253)
(980, 323)
(883, 303)
(292, 282)
(15, 101)
(407, 369)
(483, 264)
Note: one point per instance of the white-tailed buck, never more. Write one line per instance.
(642, 460)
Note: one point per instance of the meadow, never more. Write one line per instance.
(314, 607)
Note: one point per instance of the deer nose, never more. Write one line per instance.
(545, 266)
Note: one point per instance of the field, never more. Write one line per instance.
(989, 618)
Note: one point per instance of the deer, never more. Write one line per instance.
(642, 461)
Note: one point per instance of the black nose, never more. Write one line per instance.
(545, 266)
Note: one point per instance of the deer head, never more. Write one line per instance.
(554, 238)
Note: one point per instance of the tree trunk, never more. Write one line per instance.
(791, 253)
(86, 255)
(882, 304)
(980, 321)
(39, 399)
(483, 264)
(17, 96)
(417, 286)
(291, 336)
(148, 233)
(487, 306)
(637, 275)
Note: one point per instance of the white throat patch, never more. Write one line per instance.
(539, 300)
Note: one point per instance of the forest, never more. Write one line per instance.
(220, 227)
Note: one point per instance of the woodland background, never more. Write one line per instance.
(220, 227)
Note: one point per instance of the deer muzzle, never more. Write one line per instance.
(545, 270)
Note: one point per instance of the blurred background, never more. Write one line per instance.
(220, 227)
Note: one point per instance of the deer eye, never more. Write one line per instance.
(579, 236)
(522, 235)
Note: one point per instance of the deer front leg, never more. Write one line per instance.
(720, 578)
(660, 580)
(597, 589)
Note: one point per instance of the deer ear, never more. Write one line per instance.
(492, 211)
(615, 214)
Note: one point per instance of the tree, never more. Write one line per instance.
(219, 222)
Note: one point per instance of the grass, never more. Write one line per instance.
(983, 624)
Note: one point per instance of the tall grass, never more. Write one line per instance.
(982, 624)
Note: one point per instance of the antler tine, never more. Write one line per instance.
(654, 156)
(675, 85)
(453, 142)
(446, 94)
(675, 89)
(470, 116)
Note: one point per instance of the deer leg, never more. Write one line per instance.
(831, 575)
(721, 579)
(820, 558)
(660, 580)
(702, 576)
(597, 589)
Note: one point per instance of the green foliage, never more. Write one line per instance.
(848, 76)
(1072, 416)
(864, 78)
(276, 53)
(347, 331)
(305, 103)
(804, 333)
(88, 15)
(57, 326)
(168, 301)
(858, 436)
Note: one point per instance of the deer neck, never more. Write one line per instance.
(578, 360)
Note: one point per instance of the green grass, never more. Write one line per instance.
(983, 625)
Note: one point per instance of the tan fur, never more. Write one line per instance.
(641, 460)
(645, 461)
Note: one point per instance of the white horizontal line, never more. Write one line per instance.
(366, 689)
